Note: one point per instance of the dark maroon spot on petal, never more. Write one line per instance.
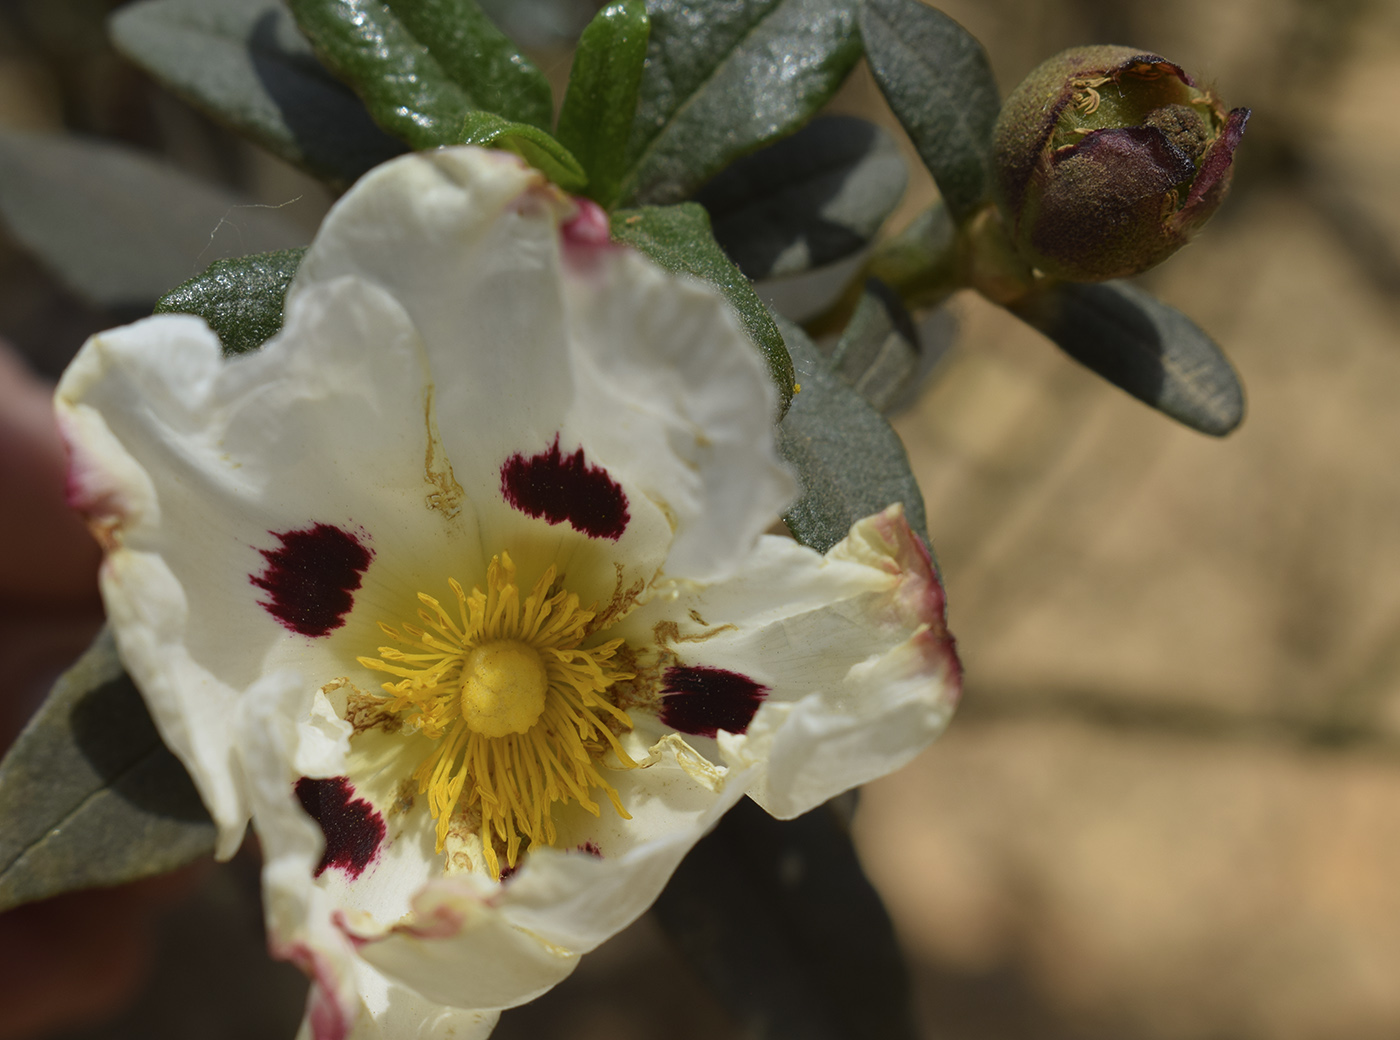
(558, 487)
(590, 848)
(354, 830)
(311, 576)
(703, 701)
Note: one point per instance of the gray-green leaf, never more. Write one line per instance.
(780, 921)
(245, 63)
(850, 462)
(89, 795)
(121, 227)
(421, 66)
(1138, 343)
(601, 100)
(809, 200)
(937, 79)
(878, 352)
(241, 299)
(724, 79)
(678, 238)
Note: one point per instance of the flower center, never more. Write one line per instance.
(503, 688)
(515, 706)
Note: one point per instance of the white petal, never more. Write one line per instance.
(532, 339)
(470, 943)
(860, 670)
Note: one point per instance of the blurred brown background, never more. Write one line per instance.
(1170, 804)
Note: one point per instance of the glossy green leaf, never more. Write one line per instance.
(878, 352)
(245, 63)
(601, 100)
(809, 200)
(850, 462)
(89, 795)
(119, 226)
(530, 143)
(937, 79)
(421, 66)
(724, 79)
(678, 238)
(241, 299)
(1138, 343)
(778, 918)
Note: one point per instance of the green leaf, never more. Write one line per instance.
(601, 100)
(89, 795)
(245, 63)
(937, 79)
(809, 200)
(779, 920)
(724, 79)
(878, 352)
(850, 462)
(241, 299)
(118, 226)
(479, 58)
(530, 143)
(1138, 343)
(678, 238)
(421, 66)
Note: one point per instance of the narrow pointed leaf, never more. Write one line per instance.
(245, 63)
(849, 460)
(530, 143)
(119, 226)
(241, 299)
(89, 795)
(809, 200)
(779, 920)
(601, 100)
(421, 66)
(938, 81)
(724, 79)
(1138, 343)
(678, 238)
(878, 352)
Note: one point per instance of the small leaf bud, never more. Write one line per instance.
(1108, 160)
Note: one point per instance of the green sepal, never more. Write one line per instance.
(780, 921)
(1143, 346)
(411, 62)
(939, 83)
(533, 145)
(679, 239)
(245, 64)
(241, 299)
(89, 794)
(849, 460)
(601, 98)
(728, 78)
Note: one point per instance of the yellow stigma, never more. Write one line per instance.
(517, 708)
(503, 688)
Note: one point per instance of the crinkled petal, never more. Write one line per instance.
(537, 329)
(845, 657)
(473, 944)
(192, 469)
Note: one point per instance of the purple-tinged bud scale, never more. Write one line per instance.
(1108, 159)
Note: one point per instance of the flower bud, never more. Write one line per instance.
(1108, 159)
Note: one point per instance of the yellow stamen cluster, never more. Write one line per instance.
(515, 705)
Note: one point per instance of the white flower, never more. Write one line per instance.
(459, 588)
